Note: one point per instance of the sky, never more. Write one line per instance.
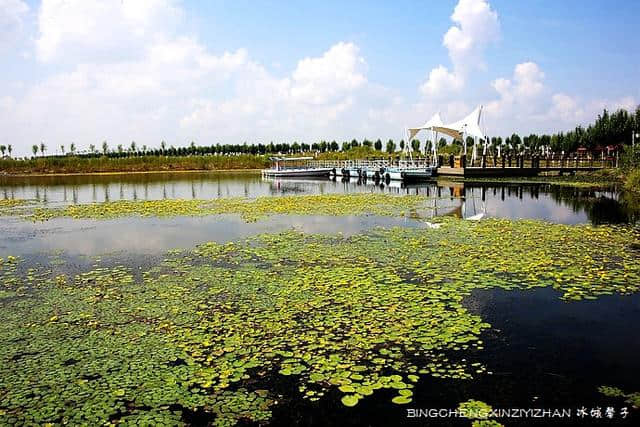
(86, 71)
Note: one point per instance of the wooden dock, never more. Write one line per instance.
(476, 172)
(485, 166)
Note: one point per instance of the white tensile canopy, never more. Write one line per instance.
(429, 125)
(468, 126)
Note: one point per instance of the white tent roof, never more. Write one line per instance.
(432, 122)
(469, 125)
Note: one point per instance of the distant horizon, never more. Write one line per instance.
(181, 71)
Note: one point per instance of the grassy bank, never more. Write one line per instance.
(71, 164)
(601, 178)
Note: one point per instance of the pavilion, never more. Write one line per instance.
(461, 129)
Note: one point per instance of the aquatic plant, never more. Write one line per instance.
(8, 206)
(475, 409)
(210, 331)
(249, 209)
(632, 399)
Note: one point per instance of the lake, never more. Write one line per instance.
(539, 352)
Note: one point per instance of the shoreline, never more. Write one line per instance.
(40, 174)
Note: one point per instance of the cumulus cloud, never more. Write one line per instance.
(316, 93)
(149, 83)
(12, 13)
(441, 81)
(475, 26)
(102, 30)
(522, 93)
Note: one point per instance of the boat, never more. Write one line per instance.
(290, 167)
(409, 173)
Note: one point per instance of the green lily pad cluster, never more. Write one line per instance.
(8, 206)
(632, 399)
(209, 333)
(248, 209)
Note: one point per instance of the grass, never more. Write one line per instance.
(71, 164)
(600, 178)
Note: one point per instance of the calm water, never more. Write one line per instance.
(544, 352)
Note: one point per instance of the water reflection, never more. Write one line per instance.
(154, 236)
(468, 200)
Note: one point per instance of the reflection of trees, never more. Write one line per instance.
(600, 206)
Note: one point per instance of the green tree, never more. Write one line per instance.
(133, 146)
(34, 148)
(120, 148)
(378, 145)
(92, 148)
(105, 147)
(62, 148)
(415, 144)
(391, 146)
(72, 148)
(9, 149)
(163, 145)
(43, 148)
(3, 148)
(402, 144)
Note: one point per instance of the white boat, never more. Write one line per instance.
(297, 172)
(409, 174)
(282, 168)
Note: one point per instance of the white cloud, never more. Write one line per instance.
(441, 81)
(12, 13)
(166, 86)
(565, 108)
(521, 94)
(476, 25)
(338, 70)
(102, 30)
(316, 93)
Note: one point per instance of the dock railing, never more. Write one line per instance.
(371, 164)
(571, 161)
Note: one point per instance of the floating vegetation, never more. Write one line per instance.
(475, 409)
(632, 399)
(249, 209)
(9, 206)
(209, 332)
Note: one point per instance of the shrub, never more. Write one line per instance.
(630, 158)
(632, 183)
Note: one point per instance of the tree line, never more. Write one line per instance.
(608, 129)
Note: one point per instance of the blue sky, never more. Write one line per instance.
(220, 71)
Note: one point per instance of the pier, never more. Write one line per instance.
(457, 166)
